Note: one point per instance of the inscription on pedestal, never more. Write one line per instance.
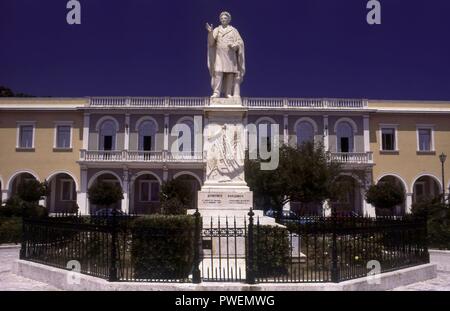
(235, 200)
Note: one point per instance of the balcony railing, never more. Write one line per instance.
(352, 157)
(140, 156)
(194, 157)
(251, 103)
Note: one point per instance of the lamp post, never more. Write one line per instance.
(442, 158)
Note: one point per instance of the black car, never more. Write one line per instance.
(290, 217)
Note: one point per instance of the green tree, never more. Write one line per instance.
(175, 197)
(32, 190)
(105, 194)
(385, 196)
(304, 174)
(437, 214)
(7, 92)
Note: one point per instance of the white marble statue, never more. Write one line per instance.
(226, 58)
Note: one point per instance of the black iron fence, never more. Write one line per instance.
(310, 249)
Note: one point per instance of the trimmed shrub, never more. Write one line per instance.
(173, 207)
(105, 194)
(162, 247)
(385, 196)
(272, 248)
(10, 230)
(16, 207)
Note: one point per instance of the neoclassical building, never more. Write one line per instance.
(74, 142)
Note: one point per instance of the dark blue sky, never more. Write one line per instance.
(298, 48)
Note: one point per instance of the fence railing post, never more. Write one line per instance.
(425, 238)
(113, 262)
(196, 278)
(250, 272)
(334, 257)
(24, 238)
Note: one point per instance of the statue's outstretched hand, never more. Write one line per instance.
(209, 27)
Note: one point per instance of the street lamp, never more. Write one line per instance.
(442, 158)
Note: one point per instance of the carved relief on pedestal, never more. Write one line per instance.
(225, 153)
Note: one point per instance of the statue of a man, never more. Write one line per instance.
(226, 58)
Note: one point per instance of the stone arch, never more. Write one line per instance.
(400, 209)
(400, 178)
(59, 201)
(175, 176)
(307, 119)
(349, 121)
(421, 187)
(98, 174)
(415, 179)
(17, 173)
(143, 119)
(53, 174)
(106, 118)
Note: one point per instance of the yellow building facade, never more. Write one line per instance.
(72, 142)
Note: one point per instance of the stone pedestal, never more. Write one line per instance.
(225, 193)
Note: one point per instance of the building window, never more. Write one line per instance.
(425, 138)
(108, 136)
(147, 130)
(148, 191)
(344, 137)
(63, 136)
(389, 138)
(26, 136)
(305, 132)
(67, 190)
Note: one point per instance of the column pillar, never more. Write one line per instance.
(326, 207)
(126, 143)
(285, 129)
(366, 134)
(125, 206)
(166, 132)
(409, 200)
(82, 201)
(165, 173)
(368, 209)
(198, 133)
(4, 195)
(86, 121)
(326, 142)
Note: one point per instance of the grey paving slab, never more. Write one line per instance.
(12, 282)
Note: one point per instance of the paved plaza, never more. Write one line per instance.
(10, 281)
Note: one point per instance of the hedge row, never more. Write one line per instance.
(10, 230)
